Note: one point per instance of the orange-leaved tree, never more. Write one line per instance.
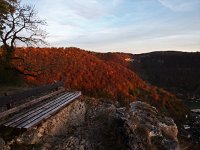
(20, 25)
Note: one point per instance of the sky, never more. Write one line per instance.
(132, 26)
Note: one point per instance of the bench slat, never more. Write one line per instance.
(29, 110)
(48, 113)
(34, 116)
(17, 120)
(10, 111)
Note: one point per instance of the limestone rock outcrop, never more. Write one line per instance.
(92, 124)
(142, 127)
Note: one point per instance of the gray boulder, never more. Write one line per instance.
(143, 127)
(2, 143)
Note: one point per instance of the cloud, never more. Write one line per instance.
(87, 9)
(121, 24)
(181, 5)
(139, 32)
(69, 20)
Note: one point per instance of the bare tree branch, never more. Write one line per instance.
(22, 26)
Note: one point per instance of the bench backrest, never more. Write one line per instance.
(4, 100)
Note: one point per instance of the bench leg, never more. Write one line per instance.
(9, 106)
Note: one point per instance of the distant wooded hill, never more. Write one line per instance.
(110, 75)
(178, 72)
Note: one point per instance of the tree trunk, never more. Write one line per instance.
(9, 52)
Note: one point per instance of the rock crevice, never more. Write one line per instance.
(142, 127)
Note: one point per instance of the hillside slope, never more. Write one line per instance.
(82, 70)
(177, 72)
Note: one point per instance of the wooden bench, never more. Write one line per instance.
(32, 113)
